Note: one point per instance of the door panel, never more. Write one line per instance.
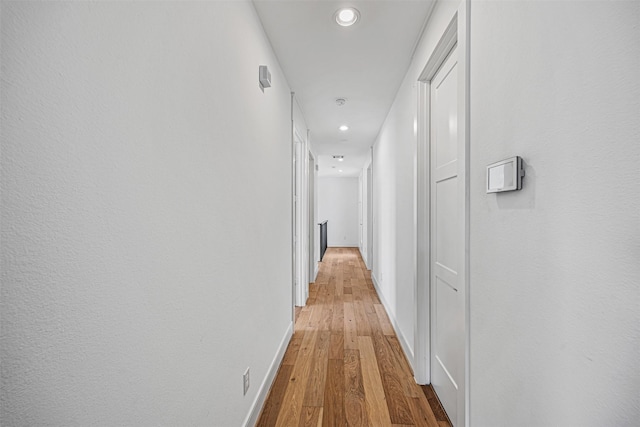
(446, 223)
(446, 88)
(447, 299)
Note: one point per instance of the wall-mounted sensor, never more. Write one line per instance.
(265, 76)
(505, 175)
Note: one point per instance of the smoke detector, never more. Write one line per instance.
(340, 102)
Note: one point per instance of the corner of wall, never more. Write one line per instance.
(404, 342)
(265, 387)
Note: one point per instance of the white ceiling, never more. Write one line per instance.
(364, 64)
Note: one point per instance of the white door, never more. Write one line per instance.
(447, 290)
(369, 218)
(312, 228)
(301, 256)
(360, 207)
(294, 230)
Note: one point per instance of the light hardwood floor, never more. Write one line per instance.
(344, 365)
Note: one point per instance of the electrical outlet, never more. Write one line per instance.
(245, 381)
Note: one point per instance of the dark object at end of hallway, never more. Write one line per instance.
(323, 238)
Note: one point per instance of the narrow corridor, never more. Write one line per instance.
(344, 364)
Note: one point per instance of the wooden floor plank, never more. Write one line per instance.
(337, 322)
(344, 365)
(350, 328)
(290, 413)
(387, 329)
(333, 414)
(327, 313)
(303, 319)
(354, 403)
(369, 301)
(336, 347)
(377, 409)
(363, 328)
(291, 354)
(311, 417)
(392, 380)
(374, 325)
(272, 406)
(411, 389)
(422, 414)
(316, 315)
(314, 394)
(434, 403)
(338, 285)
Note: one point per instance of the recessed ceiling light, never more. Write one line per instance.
(339, 170)
(347, 16)
(344, 128)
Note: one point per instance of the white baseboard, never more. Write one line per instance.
(408, 350)
(261, 396)
(364, 258)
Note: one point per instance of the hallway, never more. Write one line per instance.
(344, 364)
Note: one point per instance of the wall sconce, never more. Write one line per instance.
(264, 77)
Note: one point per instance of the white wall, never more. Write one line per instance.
(554, 268)
(394, 190)
(338, 203)
(146, 213)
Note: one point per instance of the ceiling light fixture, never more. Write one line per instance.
(347, 16)
(344, 128)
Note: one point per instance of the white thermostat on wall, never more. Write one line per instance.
(505, 175)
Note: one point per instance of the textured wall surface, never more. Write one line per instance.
(338, 203)
(555, 267)
(146, 211)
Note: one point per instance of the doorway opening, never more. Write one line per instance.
(301, 250)
(312, 228)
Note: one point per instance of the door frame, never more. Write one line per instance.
(312, 229)
(301, 218)
(293, 213)
(457, 33)
(370, 212)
